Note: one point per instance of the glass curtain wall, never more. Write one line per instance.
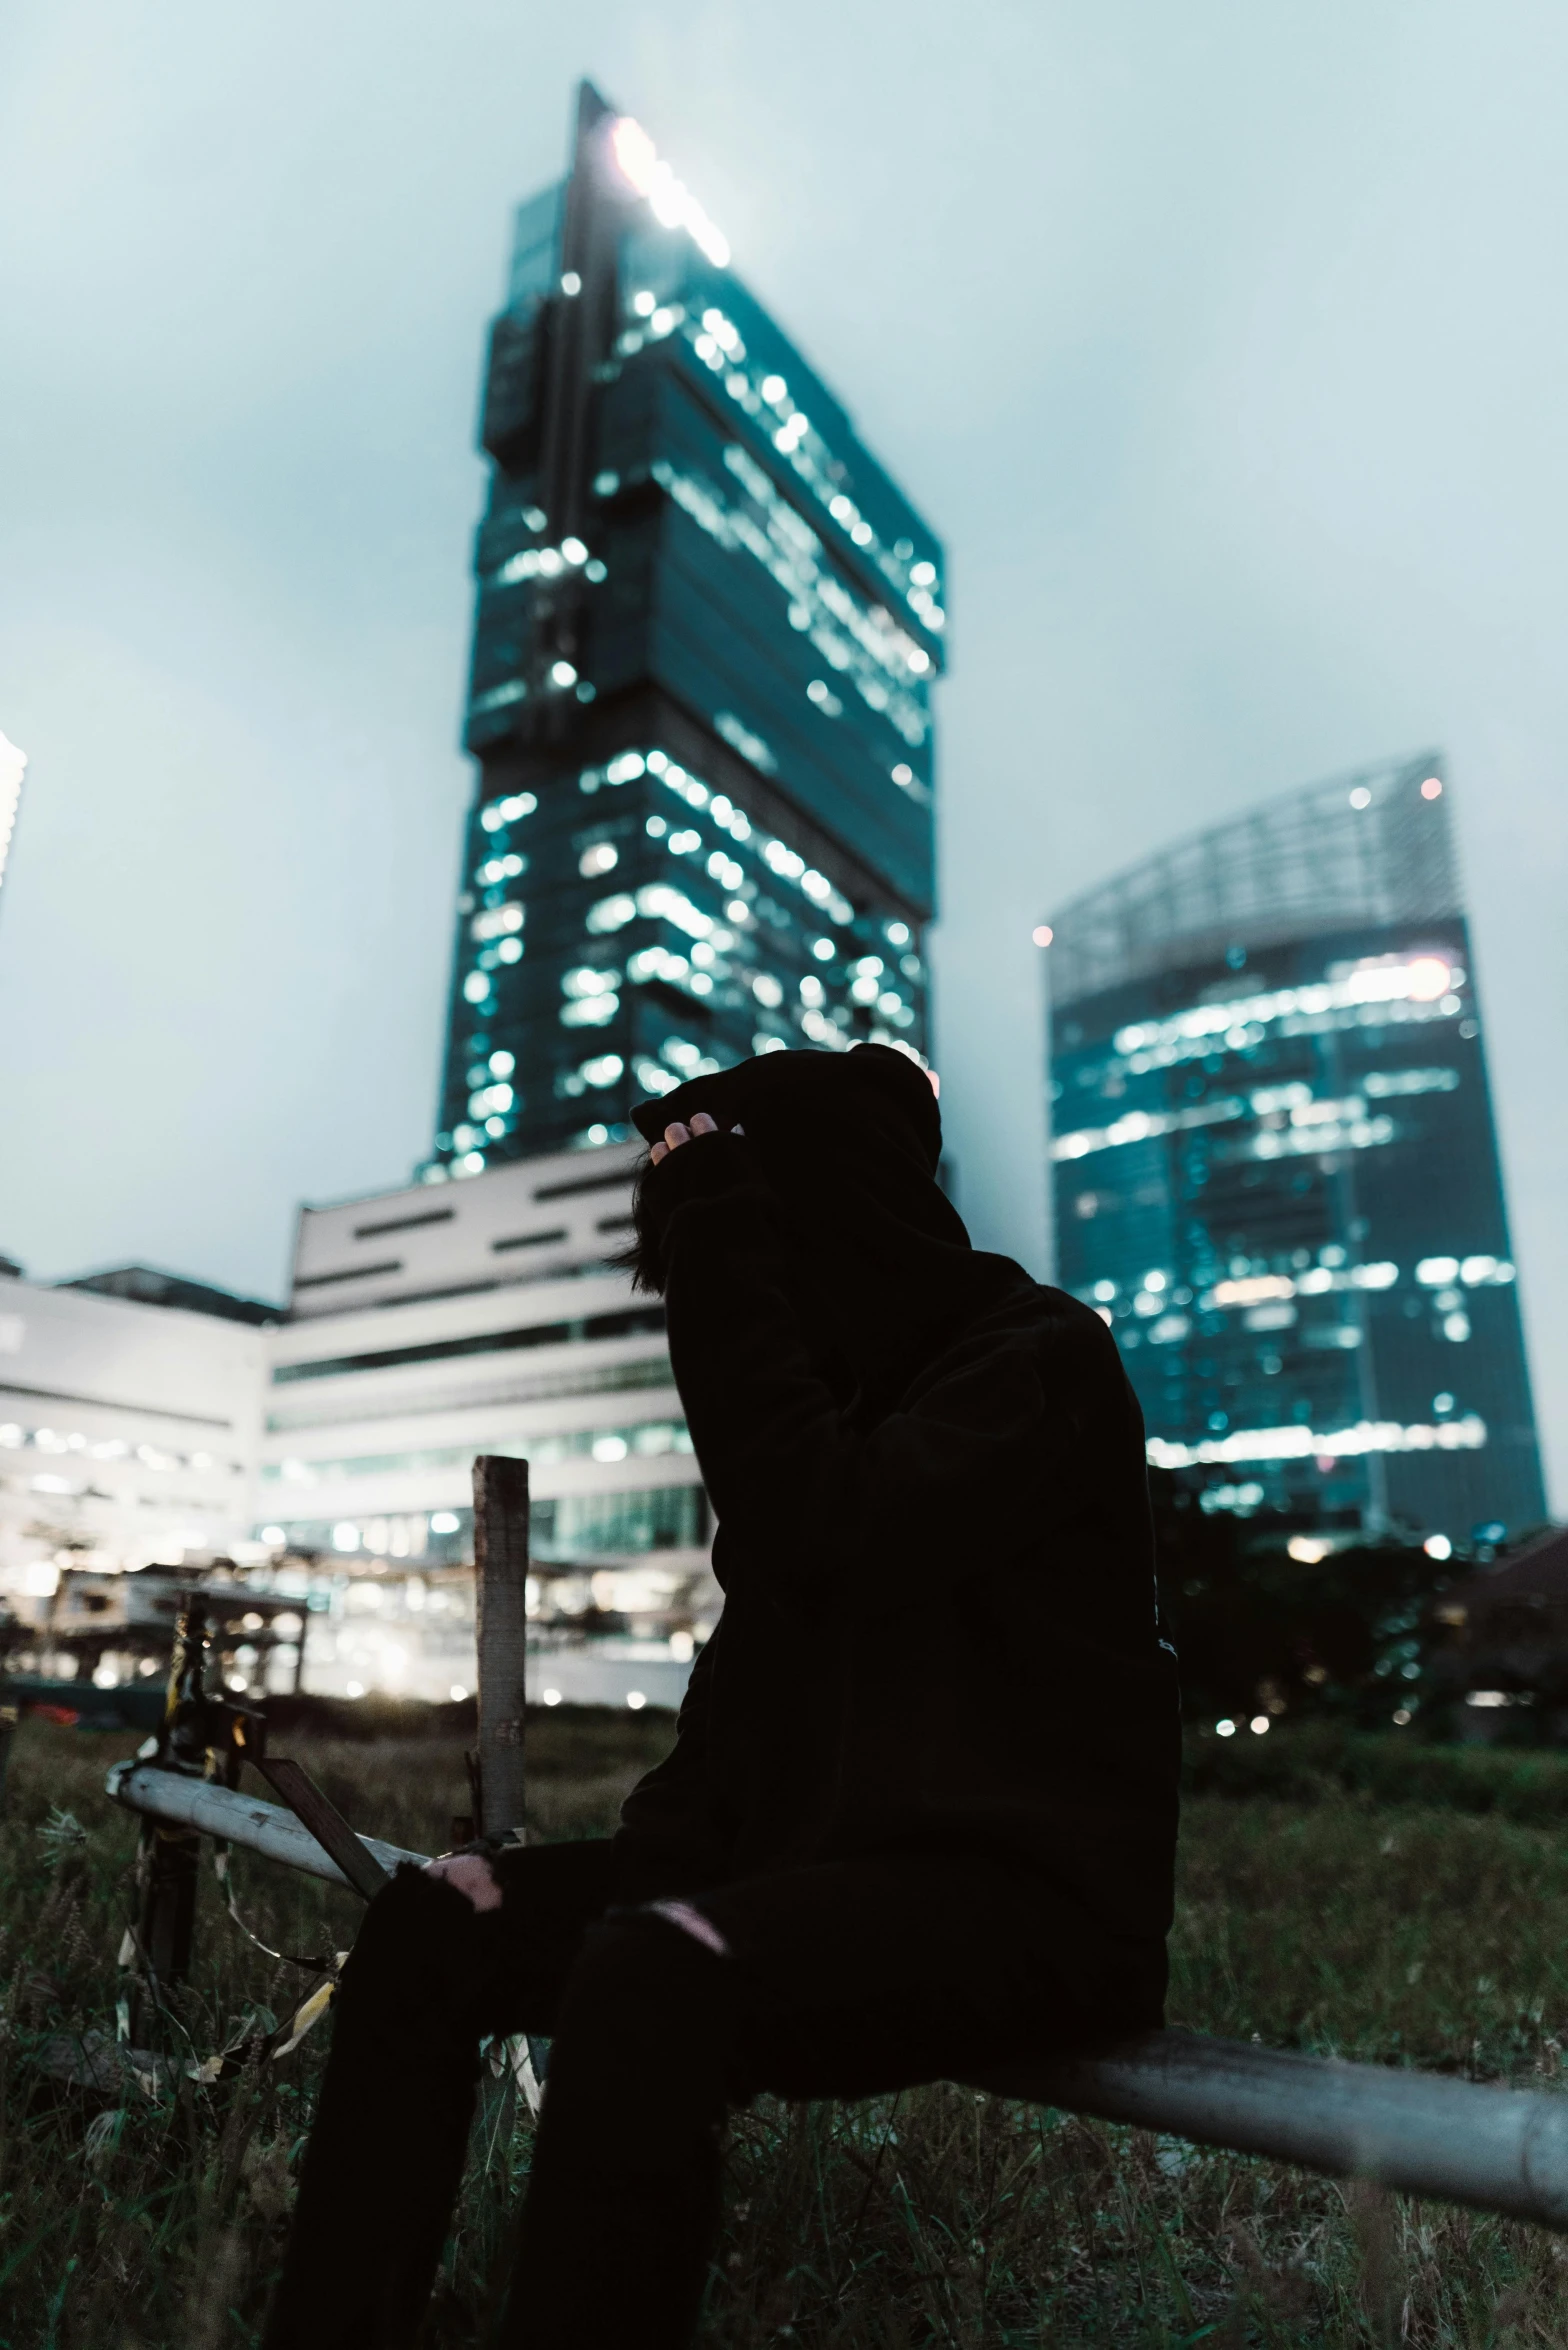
(1275, 1168)
(706, 633)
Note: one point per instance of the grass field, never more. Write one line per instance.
(1312, 1914)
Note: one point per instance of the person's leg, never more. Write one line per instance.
(623, 2198)
(835, 1980)
(856, 1976)
(427, 1978)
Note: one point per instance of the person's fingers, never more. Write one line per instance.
(470, 1874)
(676, 1133)
(737, 1128)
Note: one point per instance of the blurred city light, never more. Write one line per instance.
(640, 166)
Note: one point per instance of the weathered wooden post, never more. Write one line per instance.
(170, 1856)
(501, 1593)
(501, 1641)
(10, 1715)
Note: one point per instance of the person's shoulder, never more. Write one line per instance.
(1035, 1310)
(1067, 1346)
(1028, 1349)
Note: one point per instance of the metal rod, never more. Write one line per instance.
(171, 1861)
(198, 1806)
(326, 1823)
(1500, 2150)
(1460, 2141)
(501, 1582)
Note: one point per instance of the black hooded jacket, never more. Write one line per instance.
(940, 1629)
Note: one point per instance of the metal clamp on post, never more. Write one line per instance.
(203, 1737)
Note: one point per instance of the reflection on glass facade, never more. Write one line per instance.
(1275, 1168)
(646, 1440)
(660, 1517)
(706, 634)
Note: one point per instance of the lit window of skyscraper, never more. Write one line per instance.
(707, 629)
(1275, 1167)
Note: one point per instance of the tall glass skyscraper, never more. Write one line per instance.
(707, 629)
(1275, 1168)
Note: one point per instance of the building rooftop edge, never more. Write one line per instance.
(1369, 847)
(1344, 781)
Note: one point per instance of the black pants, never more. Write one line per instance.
(839, 1979)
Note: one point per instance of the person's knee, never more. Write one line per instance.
(638, 1964)
(641, 2048)
(412, 1956)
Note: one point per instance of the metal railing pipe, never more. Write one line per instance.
(179, 1801)
(1497, 2149)
(1503, 2150)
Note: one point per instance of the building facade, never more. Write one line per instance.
(328, 1452)
(1275, 1167)
(128, 1430)
(706, 631)
(426, 1327)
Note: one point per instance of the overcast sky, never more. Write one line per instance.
(1225, 344)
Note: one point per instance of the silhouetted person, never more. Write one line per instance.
(920, 1813)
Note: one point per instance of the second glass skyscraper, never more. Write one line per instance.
(1275, 1166)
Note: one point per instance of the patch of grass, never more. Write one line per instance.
(153, 2220)
(1307, 1761)
(1392, 1935)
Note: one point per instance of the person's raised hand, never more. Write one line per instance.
(470, 1874)
(676, 1134)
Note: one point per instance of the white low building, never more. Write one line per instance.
(128, 1434)
(330, 1454)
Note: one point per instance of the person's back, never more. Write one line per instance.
(940, 1628)
(920, 1813)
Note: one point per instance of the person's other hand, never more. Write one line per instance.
(675, 1135)
(470, 1874)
